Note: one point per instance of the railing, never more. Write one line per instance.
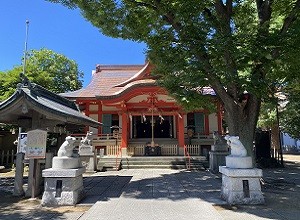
(139, 150)
(187, 158)
(136, 150)
(169, 150)
(117, 157)
(199, 135)
(7, 157)
(99, 139)
(193, 149)
(112, 150)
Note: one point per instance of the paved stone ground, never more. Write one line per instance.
(163, 194)
(153, 194)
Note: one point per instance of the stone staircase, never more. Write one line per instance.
(152, 162)
(199, 163)
(107, 164)
(162, 162)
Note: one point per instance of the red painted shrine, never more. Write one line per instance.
(132, 107)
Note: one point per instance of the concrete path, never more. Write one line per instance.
(152, 194)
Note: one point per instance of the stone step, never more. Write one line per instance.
(152, 162)
(159, 162)
(106, 163)
(172, 158)
(154, 166)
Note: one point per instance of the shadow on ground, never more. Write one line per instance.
(280, 186)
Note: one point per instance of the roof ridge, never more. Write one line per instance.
(100, 67)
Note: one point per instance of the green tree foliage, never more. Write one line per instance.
(51, 70)
(289, 118)
(231, 45)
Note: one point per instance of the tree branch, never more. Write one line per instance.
(229, 7)
(264, 11)
(288, 21)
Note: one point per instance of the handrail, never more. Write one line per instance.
(187, 155)
(119, 153)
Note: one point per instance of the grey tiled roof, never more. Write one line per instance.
(46, 101)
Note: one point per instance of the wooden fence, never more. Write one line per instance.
(139, 150)
(136, 150)
(112, 150)
(169, 149)
(194, 149)
(7, 157)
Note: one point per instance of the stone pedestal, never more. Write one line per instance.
(216, 159)
(63, 186)
(238, 162)
(89, 162)
(88, 157)
(65, 162)
(241, 186)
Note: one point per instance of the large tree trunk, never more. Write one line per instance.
(241, 118)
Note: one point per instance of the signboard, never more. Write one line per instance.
(36, 144)
(22, 142)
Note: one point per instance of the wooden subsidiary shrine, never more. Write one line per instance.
(34, 107)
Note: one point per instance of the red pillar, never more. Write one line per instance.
(180, 131)
(125, 126)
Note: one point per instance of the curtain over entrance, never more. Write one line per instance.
(162, 126)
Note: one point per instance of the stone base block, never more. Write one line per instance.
(216, 159)
(86, 149)
(89, 162)
(66, 162)
(239, 162)
(63, 186)
(63, 172)
(66, 198)
(219, 148)
(241, 186)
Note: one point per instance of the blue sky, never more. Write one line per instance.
(62, 30)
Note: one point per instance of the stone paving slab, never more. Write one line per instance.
(155, 194)
(164, 194)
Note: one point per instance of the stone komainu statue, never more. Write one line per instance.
(218, 139)
(66, 149)
(236, 147)
(87, 140)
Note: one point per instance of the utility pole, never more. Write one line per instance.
(25, 49)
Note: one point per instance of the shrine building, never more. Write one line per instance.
(136, 112)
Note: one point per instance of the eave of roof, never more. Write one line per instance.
(53, 104)
(129, 87)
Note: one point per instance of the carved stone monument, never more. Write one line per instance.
(240, 181)
(218, 153)
(64, 182)
(87, 153)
